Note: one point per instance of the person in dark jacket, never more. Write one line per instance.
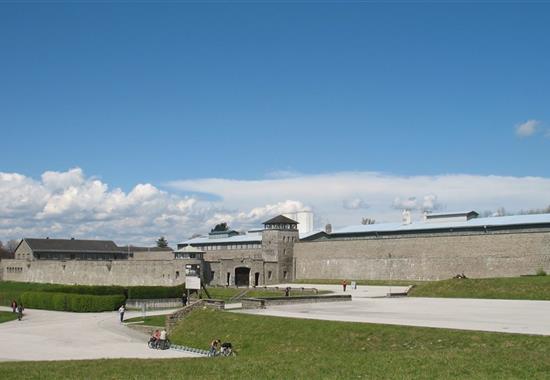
(20, 309)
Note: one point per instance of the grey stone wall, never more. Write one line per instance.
(426, 257)
(23, 251)
(126, 273)
(262, 303)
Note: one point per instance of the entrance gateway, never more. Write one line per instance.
(242, 276)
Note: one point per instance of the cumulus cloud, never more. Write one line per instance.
(430, 203)
(409, 203)
(529, 128)
(354, 204)
(68, 204)
(65, 204)
(386, 193)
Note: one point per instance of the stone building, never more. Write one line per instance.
(438, 247)
(91, 262)
(260, 257)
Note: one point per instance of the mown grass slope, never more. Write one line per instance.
(6, 316)
(518, 288)
(281, 348)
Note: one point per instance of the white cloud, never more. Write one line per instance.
(529, 128)
(65, 204)
(354, 204)
(325, 193)
(430, 203)
(409, 203)
(68, 204)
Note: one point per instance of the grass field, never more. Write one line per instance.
(361, 282)
(154, 320)
(281, 348)
(6, 316)
(520, 288)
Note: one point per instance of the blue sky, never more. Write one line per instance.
(172, 93)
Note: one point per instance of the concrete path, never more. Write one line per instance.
(524, 317)
(54, 335)
(362, 291)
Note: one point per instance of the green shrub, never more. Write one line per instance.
(87, 289)
(541, 272)
(155, 292)
(71, 301)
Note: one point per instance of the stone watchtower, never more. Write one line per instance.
(278, 238)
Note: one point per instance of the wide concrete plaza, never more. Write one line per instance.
(53, 335)
(511, 316)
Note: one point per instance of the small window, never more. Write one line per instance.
(285, 274)
(177, 274)
(269, 273)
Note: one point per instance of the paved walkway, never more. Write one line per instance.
(53, 335)
(524, 317)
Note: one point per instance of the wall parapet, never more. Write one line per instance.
(262, 303)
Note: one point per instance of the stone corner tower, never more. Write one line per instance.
(278, 238)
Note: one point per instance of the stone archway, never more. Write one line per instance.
(242, 276)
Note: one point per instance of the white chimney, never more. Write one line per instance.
(407, 217)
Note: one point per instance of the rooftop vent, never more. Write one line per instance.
(406, 219)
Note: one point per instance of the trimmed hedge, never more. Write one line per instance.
(71, 301)
(152, 292)
(87, 289)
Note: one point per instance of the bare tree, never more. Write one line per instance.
(11, 246)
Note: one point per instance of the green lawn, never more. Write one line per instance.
(521, 288)
(154, 320)
(525, 288)
(281, 348)
(6, 316)
(361, 282)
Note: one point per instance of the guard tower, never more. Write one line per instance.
(278, 238)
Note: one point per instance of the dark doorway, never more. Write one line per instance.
(242, 276)
(256, 278)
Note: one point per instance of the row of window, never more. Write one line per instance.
(281, 226)
(14, 269)
(288, 239)
(232, 246)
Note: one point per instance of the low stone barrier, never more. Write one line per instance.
(177, 316)
(262, 303)
(134, 303)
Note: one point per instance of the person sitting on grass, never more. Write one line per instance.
(214, 347)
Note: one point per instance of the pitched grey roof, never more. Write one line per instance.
(132, 248)
(73, 245)
(281, 219)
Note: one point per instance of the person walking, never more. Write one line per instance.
(14, 305)
(344, 284)
(184, 299)
(20, 309)
(121, 311)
